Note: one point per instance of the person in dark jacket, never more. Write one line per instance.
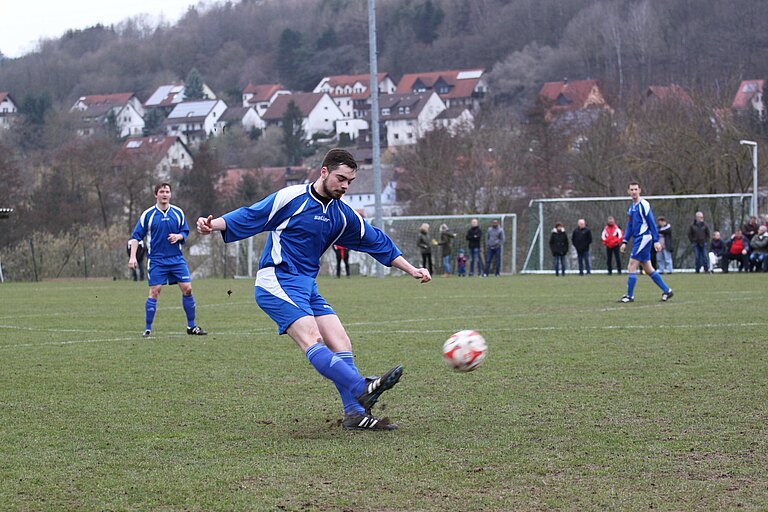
(425, 247)
(698, 234)
(716, 251)
(558, 244)
(665, 239)
(474, 237)
(758, 257)
(581, 238)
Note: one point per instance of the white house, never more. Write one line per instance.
(244, 116)
(260, 97)
(749, 98)
(318, 110)
(166, 154)
(407, 117)
(352, 92)
(96, 110)
(195, 121)
(8, 110)
(351, 127)
(458, 87)
(456, 120)
(168, 96)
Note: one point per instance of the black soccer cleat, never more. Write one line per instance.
(147, 333)
(366, 422)
(666, 296)
(626, 299)
(374, 388)
(196, 331)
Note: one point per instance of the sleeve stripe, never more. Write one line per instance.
(285, 196)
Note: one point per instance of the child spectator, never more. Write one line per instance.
(461, 263)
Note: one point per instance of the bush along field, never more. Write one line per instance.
(581, 404)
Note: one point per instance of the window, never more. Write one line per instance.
(397, 136)
(385, 111)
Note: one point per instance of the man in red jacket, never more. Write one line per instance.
(737, 249)
(612, 236)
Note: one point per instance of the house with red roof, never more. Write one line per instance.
(8, 110)
(260, 97)
(352, 92)
(319, 112)
(167, 155)
(749, 98)
(407, 117)
(461, 87)
(245, 117)
(98, 110)
(663, 94)
(273, 178)
(572, 99)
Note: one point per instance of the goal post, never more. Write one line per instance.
(722, 212)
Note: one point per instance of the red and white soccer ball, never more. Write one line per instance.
(465, 350)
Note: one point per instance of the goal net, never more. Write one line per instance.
(404, 231)
(722, 212)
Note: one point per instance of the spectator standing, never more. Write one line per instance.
(749, 229)
(446, 241)
(716, 251)
(665, 239)
(698, 234)
(474, 237)
(612, 236)
(758, 257)
(581, 238)
(342, 254)
(737, 249)
(558, 244)
(140, 251)
(425, 246)
(494, 240)
(461, 263)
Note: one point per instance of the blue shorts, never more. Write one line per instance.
(641, 248)
(162, 273)
(287, 297)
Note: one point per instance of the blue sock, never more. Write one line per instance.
(631, 281)
(188, 302)
(150, 307)
(332, 367)
(351, 405)
(660, 281)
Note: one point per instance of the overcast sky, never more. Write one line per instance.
(24, 22)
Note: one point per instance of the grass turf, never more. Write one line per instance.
(582, 404)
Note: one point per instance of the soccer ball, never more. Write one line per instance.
(465, 350)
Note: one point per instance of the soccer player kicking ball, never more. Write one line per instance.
(303, 222)
(167, 228)
(642, 227)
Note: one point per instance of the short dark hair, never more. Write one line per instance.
(633, 182)
(337, 157)
(161, 185)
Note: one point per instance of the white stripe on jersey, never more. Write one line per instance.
(267, 280)
(645, 207)
(277, 250)
(285, 196)
(149, 231)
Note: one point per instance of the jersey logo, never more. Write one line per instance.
(322, 218)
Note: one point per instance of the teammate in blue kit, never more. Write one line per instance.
(166, 230)
(303, 221)
(641, 226)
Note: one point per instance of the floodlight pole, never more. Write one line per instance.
(376, 146)
(752, 143)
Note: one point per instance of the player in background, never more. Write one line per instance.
(165, 227)
(641, 226)
(303, 221)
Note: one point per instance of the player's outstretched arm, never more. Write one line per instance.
(207, 225)
(421, 274)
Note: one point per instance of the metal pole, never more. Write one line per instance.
(753, 144)
(376, 146)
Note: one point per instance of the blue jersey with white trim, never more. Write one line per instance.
(301, 228)
(156, 225)
(641, 221)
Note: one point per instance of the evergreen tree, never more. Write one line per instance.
(291, 58)
(293, 134)
(193, 86)
(426, 22)
(197, 190)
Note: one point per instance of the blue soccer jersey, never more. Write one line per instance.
(302, 228)
(156, 225)
(641, 222)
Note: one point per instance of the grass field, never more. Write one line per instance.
(582, 404)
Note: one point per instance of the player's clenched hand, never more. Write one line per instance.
(204, 226)
(422, 274)
(132, 263)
